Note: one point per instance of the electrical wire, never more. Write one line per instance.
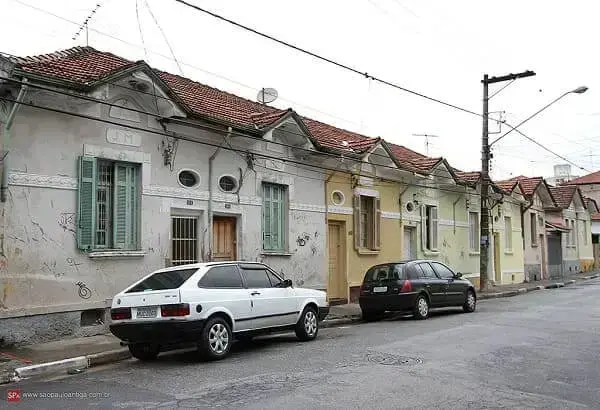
(164, 37)
(326, 59)
(194, 140)
(255, 89)
(206, 127)
(359, 72)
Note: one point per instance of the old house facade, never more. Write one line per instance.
(570, 224)
(115, 169)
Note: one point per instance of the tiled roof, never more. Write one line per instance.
(528, 184)
(596, 217)
(563, 195)
(589, 201)
(557, 223)
(83, 65)
(470, 177)
(414, 160)
(507, 186)
(593, 178)
(86, 66)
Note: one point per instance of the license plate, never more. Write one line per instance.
(380, 289)
(146, 312)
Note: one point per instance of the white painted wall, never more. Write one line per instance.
(41, 267)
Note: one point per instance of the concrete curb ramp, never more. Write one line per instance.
(75, 363)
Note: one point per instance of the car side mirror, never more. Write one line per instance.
(458, 275)
(287, 283)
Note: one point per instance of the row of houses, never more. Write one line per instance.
(112, 169)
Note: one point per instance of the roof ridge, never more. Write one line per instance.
(56, 55)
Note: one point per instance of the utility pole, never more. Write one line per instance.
(484, 226)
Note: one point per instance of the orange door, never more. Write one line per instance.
(224, 238)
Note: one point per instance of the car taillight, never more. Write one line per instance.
(181, 309)
(406, 286)
(120, 313)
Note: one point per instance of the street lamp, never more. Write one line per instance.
(578, 90)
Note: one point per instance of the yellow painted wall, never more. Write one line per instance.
(511, 260)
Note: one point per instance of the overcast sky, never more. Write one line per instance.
(436, 47)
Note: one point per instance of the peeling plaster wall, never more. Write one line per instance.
(41, 269)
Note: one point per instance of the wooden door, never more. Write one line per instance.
(497, 267)
(337, 286)
(224, 239)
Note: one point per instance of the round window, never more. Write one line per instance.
(410, 207)
(227, 183)
(337, 197)
(188, 178)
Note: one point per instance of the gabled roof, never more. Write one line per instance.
(528, 184)
(593, 178)
(86, 68)
(412, 160)
(563, 195)
(507, 186)
(468, 177)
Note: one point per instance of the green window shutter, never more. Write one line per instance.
(86, 203)
(126, 207)
(273, 217)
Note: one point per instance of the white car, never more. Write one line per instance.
(210, 303)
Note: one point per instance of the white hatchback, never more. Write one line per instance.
(209, 304)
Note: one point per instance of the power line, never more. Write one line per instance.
(328, 60)
(164, 37)
(206, 127)
(181, 62)
(190, 139)
(356, 71)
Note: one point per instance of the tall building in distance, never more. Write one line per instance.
(562, 174)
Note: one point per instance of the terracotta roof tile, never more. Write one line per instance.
(470, 177)
(528, 184)
(593, 178)
(85, 66)
(507, 186)
(563, 195)
(596, 217)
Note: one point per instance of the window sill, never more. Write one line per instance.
(534, 245)
(275, 253)
(115, 254)
(474, 253)
(509, 252)
(431, 253)
(367, 252)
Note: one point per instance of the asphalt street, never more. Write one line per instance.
(538, 350)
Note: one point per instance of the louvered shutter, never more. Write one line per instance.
(86, 218)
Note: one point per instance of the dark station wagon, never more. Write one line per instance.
(414, 286)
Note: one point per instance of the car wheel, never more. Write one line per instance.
(470, 302)
(421, 309)
(215, 343)
(308, 325)
(372, 315)
(144, 351)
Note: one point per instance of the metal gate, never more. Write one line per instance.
(184, 240)
(555, 260)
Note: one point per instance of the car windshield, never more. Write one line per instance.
(171, 279)
(392, 271)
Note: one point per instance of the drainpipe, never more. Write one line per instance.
(6, 144)
(210, 196)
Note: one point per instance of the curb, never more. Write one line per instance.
(75, 363)
(51, 367)
(555, 285)
(341, 321)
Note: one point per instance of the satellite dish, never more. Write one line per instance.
(267, 95)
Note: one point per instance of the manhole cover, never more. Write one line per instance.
(393, 360)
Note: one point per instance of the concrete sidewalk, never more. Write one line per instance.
(77, 354)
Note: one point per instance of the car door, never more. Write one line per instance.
(455, 294)
(434, 284)
(271, 306)
(222, 286)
